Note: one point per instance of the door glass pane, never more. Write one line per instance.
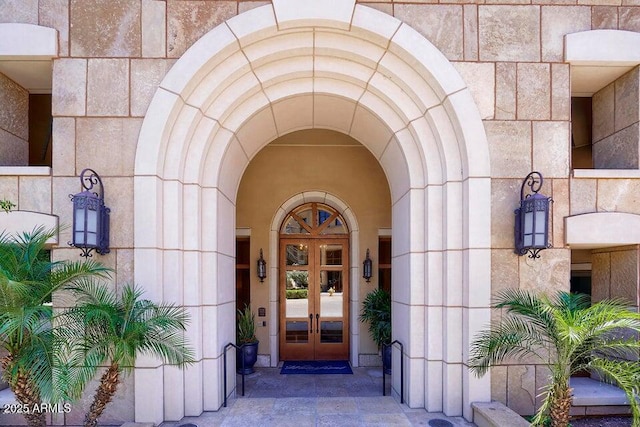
(291, 226)
(331, 296)
(297, 254)
(323, 215)
(331, 331)
(297, 293)
(307, 216)
(336, 227)
(297, 331)
(331, 254)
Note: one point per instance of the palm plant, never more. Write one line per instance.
(28, 280)
(376, 310)
(105, 328)
(569, 335)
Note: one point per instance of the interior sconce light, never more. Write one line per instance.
(367, 268)
(90, 216)
(262, 267)
(532, 218)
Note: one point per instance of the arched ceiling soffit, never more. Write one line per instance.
(274, 70)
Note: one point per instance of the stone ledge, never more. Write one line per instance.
(17, 222)
(590, 392)
(495, 414)
(132, 424)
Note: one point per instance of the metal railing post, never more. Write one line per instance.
(224, 361)
(384, 376)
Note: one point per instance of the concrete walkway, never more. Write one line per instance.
(272, 399)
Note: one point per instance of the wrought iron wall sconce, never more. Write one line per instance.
(90, 216)
(262, 267)
(367, 268)
(532, 218)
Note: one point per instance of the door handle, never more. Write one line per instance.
(317, 323)
(311, 323)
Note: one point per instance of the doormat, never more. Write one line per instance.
(316, 367)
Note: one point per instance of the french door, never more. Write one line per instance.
(314, 298)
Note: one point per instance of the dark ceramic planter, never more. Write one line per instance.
(250, 354)
(386, 358)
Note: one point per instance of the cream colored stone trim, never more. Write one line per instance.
(602, 229)
(27, 41)
(606, 173)
(19, 222)
(302, 13)
(25, 171)
(603, 47)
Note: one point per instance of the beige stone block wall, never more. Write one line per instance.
(615, 274)
(24, 11)
(440, 24)
(105, 29)
(55, 14)
(108, 87)
(616, 123)
(189, 20)
(28, 192)
(120, 410)
(14, 123)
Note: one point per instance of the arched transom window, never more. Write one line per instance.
(314, 219)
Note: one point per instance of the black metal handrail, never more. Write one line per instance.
(224, 357)
(384, 376)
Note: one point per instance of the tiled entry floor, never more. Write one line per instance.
(268, 382)
(278, 400)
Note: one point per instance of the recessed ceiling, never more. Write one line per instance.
(33, 75)
(589, 79)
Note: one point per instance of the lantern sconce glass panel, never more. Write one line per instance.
(90, 216)
(532, 218)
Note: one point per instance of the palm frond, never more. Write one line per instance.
(513, 337)
(528, 305)
(118, 328)
(626, 375)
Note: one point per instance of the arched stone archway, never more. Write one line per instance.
(321, 64)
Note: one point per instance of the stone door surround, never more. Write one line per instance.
(301, 64)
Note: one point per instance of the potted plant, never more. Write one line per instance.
(246, 340)
(376, 310)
